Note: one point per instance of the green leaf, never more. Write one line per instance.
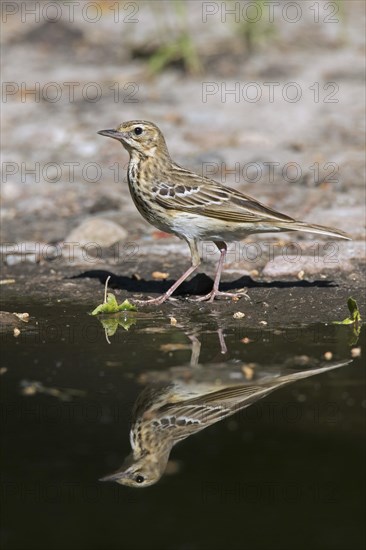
(354, 311)
(127, 306)
(127, 322)
(355, 316)
(111, 324)
(347, 321)
(111, 306)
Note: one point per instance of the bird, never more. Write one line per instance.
(193, 207)
(165, 413)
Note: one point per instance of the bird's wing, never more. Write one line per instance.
(183, 418)
(187, 192)
(193, 415)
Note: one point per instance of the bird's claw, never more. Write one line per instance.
(214, 293)
(206, 298)
(156, 301)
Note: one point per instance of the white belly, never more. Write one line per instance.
(212, 229)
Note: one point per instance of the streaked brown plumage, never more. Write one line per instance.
(167, 413)
(193, 207)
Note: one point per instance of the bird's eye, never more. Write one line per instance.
(139, 479)
(138, 130)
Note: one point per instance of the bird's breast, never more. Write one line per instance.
(140, 184)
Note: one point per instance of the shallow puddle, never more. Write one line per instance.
(69, 386)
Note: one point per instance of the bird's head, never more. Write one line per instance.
(139, 136)
(142, 472)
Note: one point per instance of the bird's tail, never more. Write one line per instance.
(310, 228)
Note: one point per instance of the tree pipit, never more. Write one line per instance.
(167, 413)
(194, 208)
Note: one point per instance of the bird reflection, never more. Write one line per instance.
(187, 400)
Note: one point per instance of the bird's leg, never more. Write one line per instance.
(215, 290)
(222, 341)
(196, 260)
(196, 350)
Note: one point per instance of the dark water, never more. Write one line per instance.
(287, 472)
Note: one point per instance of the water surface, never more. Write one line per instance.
(287, 472)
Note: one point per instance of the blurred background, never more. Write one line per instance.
(266, 97)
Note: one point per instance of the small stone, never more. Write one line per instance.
(293, 266)
(173, 321)
(355, 352)
(16, 332)
(98, 231)
(167, 348)
(159, 275)
(239, 315)
(248, 372)
(263, 323)
(31, 389)
(23, 252)
(328, 355)
(12, 259)
(7, 281)
(22, 316)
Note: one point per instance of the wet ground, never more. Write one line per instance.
(287, 472)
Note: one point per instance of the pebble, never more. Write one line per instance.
(355, 352)
(97, 230)
(298, 267)
(239, 315)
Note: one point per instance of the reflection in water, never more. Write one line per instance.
(191, 399)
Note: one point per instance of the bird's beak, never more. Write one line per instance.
(112, 134)
(112, 477)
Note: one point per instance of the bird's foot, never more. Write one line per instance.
(215, 293)
(156, 301)
(206, 298)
